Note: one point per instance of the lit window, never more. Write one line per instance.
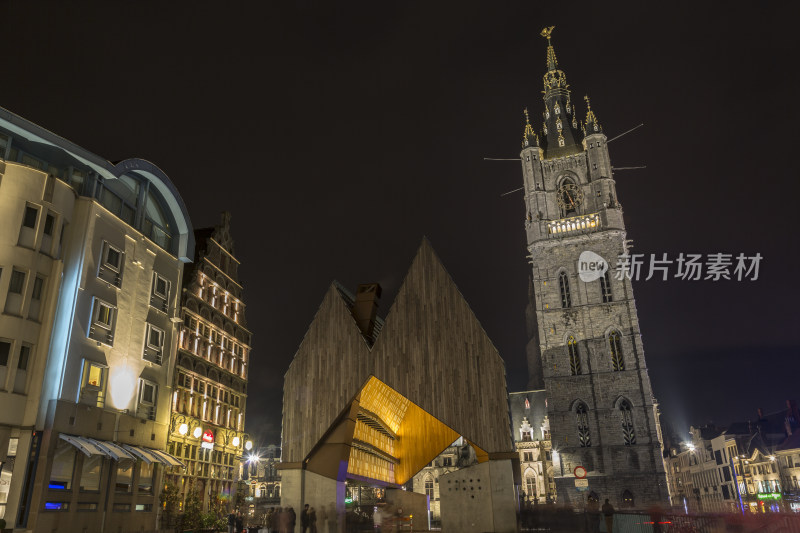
(429, 488)
(56, 506)
(627, 499)
(582, 415)
(563, 283)
(574, 357)
(615, 345)
(93, 384)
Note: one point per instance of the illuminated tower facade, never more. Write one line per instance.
(585, 345)
(210, 388)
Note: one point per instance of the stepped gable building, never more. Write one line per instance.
(91, 256)
(208, 406)
(373, 402)
(530, 428)
(586, 347)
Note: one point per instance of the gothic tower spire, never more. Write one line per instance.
(592, 124)
(585, 346)
(560, 133)
(529, 137)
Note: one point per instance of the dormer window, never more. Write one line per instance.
(557, 109)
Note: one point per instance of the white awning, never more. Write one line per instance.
(120, 452)
(85, 445)
(143, 453)
(114, 450)
(149, 455)
(168, 459)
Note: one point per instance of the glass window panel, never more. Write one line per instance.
(91, 471)
(110, 201)
(49, 222)
(146, 474)
(17, 282)
(31, 161)
(31, 214)
(78, 179)
(112, 257)
(124, 476)
(63, 466)
(95, 378)
(24, 355)
(37, 288)
(5, 349)
(104, 314)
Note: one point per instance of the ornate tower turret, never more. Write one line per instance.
(561, 135)
(585, 345)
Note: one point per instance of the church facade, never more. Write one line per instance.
(585, 345)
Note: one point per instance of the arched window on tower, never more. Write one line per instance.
(605, 288)
(582, 414)
(628, 433)
(568, 192)
(615, 346)
(563, 284)
(574, 357)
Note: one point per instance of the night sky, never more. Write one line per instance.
(339, 136)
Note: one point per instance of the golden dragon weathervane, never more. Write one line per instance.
(547, 32)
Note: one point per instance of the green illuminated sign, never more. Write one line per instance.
(769, 495)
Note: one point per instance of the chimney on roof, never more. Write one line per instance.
(365, 308)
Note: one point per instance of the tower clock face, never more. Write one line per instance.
(569, 196)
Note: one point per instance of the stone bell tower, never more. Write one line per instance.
(585, 344)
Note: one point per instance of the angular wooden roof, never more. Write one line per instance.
(431, 349)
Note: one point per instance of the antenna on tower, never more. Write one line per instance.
(509, 192)
(625, 133)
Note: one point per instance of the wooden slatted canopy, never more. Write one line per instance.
(435, 371)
